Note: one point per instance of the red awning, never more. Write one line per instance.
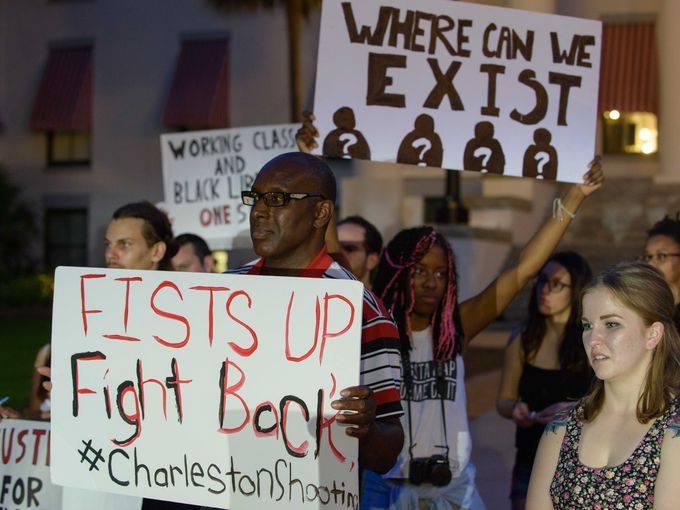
(199, 97)
(628, 75)
(64, 100)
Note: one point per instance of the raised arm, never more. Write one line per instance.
(479, 311)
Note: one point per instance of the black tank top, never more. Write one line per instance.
(539, 388)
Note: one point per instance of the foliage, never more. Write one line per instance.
(30, 290)
(17, 230)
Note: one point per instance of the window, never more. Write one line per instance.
(68, 148)
(199, 96)
(65, 237)
(628, 97)
(63, 105)
(629, 133)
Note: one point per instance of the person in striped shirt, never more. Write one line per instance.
(292, 202)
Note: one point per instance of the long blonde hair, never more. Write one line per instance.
(642, 289)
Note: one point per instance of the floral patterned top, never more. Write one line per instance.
(628, 486)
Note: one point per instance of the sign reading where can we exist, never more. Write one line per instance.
(206, 389)
(457, 85)
(204, 173)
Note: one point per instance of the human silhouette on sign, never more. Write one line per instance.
(345, 141)
(484, 153)
(540, 159)
(422, 146)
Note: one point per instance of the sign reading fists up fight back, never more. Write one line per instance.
(206, 389)
(457, 85)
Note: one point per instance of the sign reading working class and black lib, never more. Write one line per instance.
(25, 467)
(206, 389)
(459, 86)
(204, 173)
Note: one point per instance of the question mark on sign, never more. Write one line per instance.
(485, 154)
(349, 139)
(542, 159)
(424, 145)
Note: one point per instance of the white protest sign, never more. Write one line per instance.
(25, 469)
(457, 85)
(81, 499)
(204, 173)
(205, 389)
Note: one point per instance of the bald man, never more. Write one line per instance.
(292, 202)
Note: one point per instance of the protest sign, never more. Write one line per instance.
(459, 86)
(81, 499)
(204, 173)
(25, 469)
(206, 389)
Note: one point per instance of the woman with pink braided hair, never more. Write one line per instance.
(416, 279)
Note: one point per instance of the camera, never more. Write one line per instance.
(434, 470)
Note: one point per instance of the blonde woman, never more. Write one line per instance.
(619, 448)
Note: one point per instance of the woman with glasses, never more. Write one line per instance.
(545, 369)
(662, 250)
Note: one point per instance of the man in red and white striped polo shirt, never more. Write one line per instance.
(292, 202)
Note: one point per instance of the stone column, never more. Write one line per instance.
(668, 40)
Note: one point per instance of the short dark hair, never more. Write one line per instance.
(156, 228)
(668, 227)
(374, 241)
(199, 245)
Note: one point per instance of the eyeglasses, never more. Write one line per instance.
(421, 273)
(554, 285)
(661, 257)
(275, 198)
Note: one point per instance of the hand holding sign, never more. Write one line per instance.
(359, 402)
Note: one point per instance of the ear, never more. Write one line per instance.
(323, 213)
(372, 261)
(209, 264)
(654, 335)
(158, 251)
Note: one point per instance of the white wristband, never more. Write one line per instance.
(560, 212)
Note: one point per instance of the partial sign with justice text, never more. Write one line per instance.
(25, 468)
(459, 86)
(205, 389)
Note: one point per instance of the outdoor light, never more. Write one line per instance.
(614, 115)
(648, 147)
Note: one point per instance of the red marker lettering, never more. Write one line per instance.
(211, 321)
(300, 450)
(242, 351)
(83, 310)
(126, 310)
(168, 315)
(326, 334)
(77, 390)
(306, 355)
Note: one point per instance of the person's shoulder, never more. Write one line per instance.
(244, 269)
(558, 426)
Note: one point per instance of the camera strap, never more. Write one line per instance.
(441, 387)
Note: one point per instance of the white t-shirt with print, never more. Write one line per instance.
(426, 420)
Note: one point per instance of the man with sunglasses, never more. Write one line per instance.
(362, 245)
(292, 202)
